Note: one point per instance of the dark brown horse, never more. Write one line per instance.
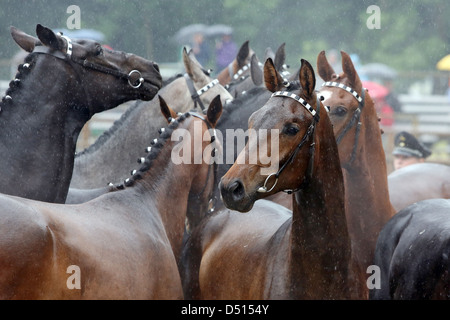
(121, 245)
(418, 182)
(269, 253)
(57, 89)
(356, 127)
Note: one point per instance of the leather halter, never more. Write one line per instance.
(354, 121)
(309, 132)
(195, 94)
(212, 198)
(68, 57)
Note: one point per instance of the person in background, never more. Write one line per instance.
(226, 51)
(201, 49)
(408, 150)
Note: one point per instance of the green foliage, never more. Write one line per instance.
(413, 35)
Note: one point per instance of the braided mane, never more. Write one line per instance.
(22, 70)
(153, 151)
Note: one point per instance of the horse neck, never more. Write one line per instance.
(125, 141)
(366, 190)
(320, 245)
(38, 134)
(165, 187)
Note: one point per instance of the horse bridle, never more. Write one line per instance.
(212, 198)
(68, 57)
(356, 114)
(195, 94)
(306, 136)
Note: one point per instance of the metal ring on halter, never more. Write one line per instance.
(141, 80)
(263, 189)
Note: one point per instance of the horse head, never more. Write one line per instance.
(202, 133)
(97, 70)
(285, 128)
(351, 107)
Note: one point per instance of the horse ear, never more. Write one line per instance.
(48, 38)
(280, 57)
(307, 78)
(25, 41)
(214, 111)
(192, 66)
(350, 72)
(324, 68)
(255, 71)
(243, 54)
(165, 109)
(272, 78)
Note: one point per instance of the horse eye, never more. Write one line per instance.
(339, 111)
(291, 130)
(99, 51)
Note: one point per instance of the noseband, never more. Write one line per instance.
(68, 57)
(309, 132)
(356, 114)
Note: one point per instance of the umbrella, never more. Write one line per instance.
(186, 34)
(444, 63)
(378, 70)
(218, 30)
(376, 90)
(88, 34)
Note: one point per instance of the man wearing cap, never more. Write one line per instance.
(408, 150)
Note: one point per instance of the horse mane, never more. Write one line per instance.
(106, 135)
(153, 151)
(15, 83)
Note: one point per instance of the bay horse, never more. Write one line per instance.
(418, 182)
(123, 243)
(57, 89)
(269, 252)
(412, 253)
(363, 161)
(114, 153)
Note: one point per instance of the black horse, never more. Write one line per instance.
(57, 89)
(413, 253)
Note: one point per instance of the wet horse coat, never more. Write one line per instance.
(267, 253)
(123, 243)
(38, 132)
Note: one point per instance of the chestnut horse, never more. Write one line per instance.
(418, 182)
(363, 161)
(237, 68)
(413, 252)
(114, 153)
(121, 245)
(57, 89)
(269, 253)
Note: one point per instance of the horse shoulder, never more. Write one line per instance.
(241, 248)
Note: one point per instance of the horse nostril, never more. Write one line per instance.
(236, 190)
(155, 65)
